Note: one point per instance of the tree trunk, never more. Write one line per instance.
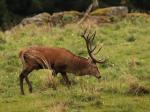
(94, 5)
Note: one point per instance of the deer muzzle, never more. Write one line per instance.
(98, 77)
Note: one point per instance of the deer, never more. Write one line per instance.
(59, 60)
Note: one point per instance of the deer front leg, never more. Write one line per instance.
(54, 73)
(65, 77)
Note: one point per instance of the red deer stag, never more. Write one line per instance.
(59, 60)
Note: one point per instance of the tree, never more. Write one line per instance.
(94, 5)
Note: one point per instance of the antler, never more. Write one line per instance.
(89, 42)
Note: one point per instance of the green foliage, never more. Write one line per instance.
(131, 38)
(128, 64)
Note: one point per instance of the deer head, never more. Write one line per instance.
(89, 38)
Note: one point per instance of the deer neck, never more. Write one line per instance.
(80, 65)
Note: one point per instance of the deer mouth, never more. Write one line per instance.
(98, 77)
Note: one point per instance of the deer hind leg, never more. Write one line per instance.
(65, 77)
(29, 84)
(23, 75)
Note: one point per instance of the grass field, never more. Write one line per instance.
(126, 46)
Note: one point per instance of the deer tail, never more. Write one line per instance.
(21, 56)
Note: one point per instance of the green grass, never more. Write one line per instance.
(126, 46)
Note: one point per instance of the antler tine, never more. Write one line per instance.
(91, 41)
(86, 36)
(89, 37)
(84, 33)
(93, 36)
(100, 61)
(93, 49)
(98, 50)
(87, 40)
(93, 58)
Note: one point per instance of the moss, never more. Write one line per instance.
(101, 12)
(138, 15)
(70, 16)
(111, 12)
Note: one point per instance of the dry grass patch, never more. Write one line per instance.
(48, 81)
(138, 15)
(134, 62)
(134, 86)
(137, 89)
(59, 107)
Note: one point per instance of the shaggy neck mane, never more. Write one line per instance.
(80, 63)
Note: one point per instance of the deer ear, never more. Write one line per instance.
(90, 60)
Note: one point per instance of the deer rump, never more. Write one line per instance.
(34, 58)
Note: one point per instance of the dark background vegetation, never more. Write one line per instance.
(11, 11)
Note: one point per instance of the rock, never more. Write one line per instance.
(99, 16)
(120, 11)
(40, 19)
(66, 17)
(60, 18)
(97, 20)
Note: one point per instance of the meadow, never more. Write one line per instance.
(126, 46)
